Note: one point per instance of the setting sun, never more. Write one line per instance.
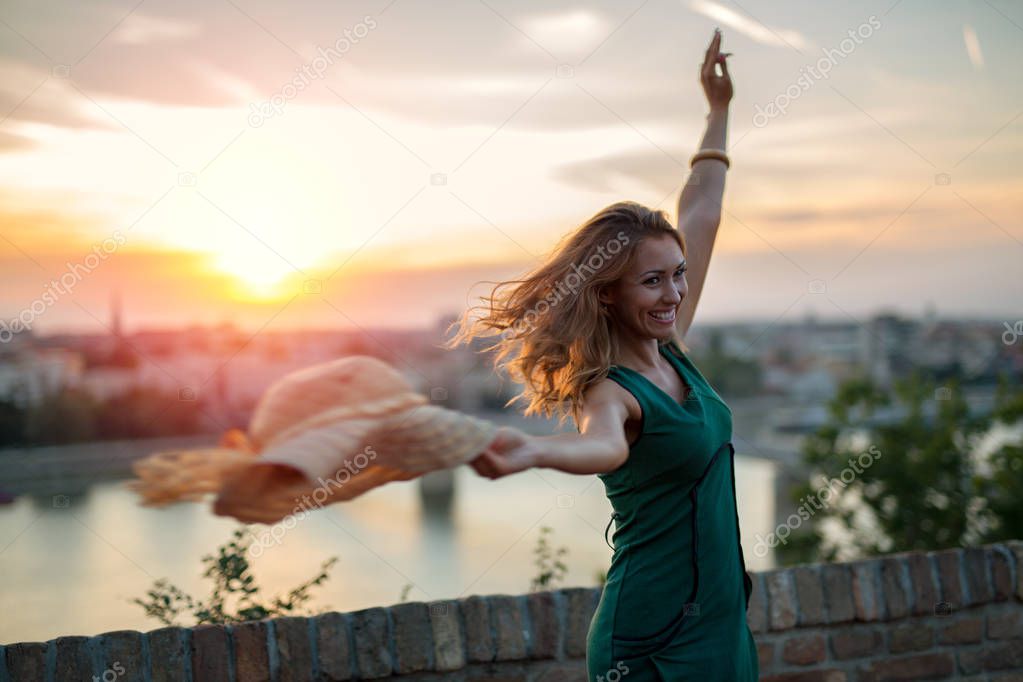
(257, 272)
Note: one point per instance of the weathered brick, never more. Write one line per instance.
(910, 637)
(294, 650)
(829, 675)
(804, 650)
(26, 660)
(545, 621)
(969, 660)
(765, 653)
(1002, 656)
(121, 653)
(169, 651)
(978, 583)
(963, 631)
(1007, 625)
(446, 629)
(947, 562)
(251, 659)
(895, 587)
(756, 614)
(506, 616)
(74, 662)
(1001, 571)
(413, 641)
(781, 599)
(370, 630)
(921, 579)
(1003, 677)
(479, 642)
(560, 672)
(210, 653)
(866, 582)
(922, 667)
(809, 594)
(332, 646)
(1015, 548)
(855, 642)
(838, 592)
(581, 605)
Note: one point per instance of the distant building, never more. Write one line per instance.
(26, 378)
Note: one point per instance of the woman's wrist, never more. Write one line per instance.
(718, 111)
(542, 456)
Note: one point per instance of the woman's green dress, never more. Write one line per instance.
(674, 604)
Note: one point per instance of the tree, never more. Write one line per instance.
(900, 471)
(12, 424)
(62, 417)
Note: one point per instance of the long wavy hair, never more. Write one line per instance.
(556, 337)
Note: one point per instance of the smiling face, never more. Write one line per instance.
(645, 300)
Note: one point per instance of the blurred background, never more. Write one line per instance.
(197, 198)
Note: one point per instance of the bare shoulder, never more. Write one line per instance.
(606, 393)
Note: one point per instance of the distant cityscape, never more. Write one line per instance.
(210, 378)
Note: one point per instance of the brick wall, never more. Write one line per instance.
(953, 614)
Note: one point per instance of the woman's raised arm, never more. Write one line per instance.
(699, 204)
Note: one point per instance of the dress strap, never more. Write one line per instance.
(614, 515)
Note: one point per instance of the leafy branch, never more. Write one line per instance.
(234, 597)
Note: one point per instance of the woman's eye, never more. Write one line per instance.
(653, 280)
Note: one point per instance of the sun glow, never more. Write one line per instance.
(258, 273)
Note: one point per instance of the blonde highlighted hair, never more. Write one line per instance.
(556, 336)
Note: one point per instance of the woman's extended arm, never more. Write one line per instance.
(699, 204)
(600, 446)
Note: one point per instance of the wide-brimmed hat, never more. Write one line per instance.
(320, 435)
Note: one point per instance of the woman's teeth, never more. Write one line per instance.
(664, 317)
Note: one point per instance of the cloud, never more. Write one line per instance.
(973, 47)
(9, 142)
(751, 27)
(575, 31)
(605, 174)
(31, 94)
(139, 29)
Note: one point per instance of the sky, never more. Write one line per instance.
(360, 164)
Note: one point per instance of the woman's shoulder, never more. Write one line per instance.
(608, 389)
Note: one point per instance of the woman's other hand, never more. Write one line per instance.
(510, 451)
(718, 89)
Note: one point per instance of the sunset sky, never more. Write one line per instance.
(239, 171)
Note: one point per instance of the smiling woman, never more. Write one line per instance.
(650, 425)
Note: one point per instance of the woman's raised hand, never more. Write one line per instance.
(717, 88)
(510, 451)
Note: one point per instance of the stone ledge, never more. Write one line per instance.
(912, 611)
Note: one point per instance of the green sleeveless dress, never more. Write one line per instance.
(674, 604)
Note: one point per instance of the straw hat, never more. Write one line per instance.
(320, 435)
